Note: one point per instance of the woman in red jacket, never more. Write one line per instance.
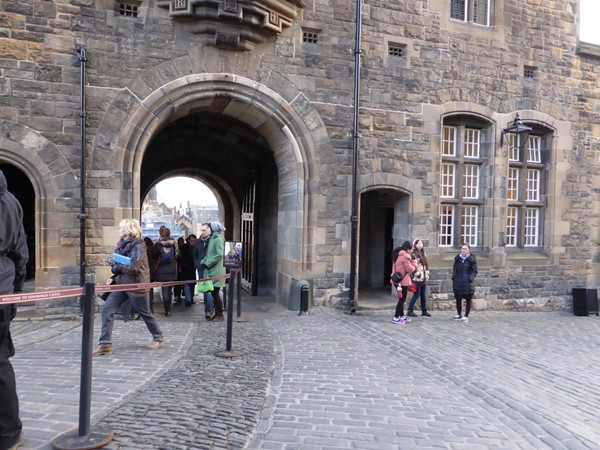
(404, 265)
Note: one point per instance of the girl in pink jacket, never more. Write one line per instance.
(404, 265)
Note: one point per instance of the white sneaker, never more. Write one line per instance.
(464, 319)
(457, 317)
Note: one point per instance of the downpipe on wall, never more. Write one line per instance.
(355, 137)
(82, 204)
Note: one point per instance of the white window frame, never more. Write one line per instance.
(449, 141)
(469, 226)
(512, 183)
(534, 147)
(460, 180)
(446, 236)
(448, 182)
(472, 141)
(470, 181)
(524, 192)
(469, 13)
(531, 227)
(533, 185)
(512, 219)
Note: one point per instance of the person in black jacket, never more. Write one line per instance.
(166, 253)
(187, 268)
(13, 260)
(463, 275)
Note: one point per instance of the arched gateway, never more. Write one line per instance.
(240, 137)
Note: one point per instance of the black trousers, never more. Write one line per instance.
(10, 424)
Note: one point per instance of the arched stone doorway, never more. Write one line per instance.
(234, 160)
(384, 224)
(20, 186)
(23, 158)
(238, 132)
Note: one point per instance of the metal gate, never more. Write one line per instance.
(249, 243)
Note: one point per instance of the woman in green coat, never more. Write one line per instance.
(212, 266)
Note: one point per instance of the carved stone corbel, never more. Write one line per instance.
(233, 24)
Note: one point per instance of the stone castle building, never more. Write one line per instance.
(255, 98)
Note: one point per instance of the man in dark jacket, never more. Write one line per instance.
(13, 259)
(166, 253)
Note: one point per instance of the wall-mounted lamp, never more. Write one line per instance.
(517, 128)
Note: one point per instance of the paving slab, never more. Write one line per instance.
(326, 380)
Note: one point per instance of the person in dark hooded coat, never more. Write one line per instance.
(464, 272)
(13, 259)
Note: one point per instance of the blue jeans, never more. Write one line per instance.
(188, 292)
(421, 292)
(208, 303)
(140, 306)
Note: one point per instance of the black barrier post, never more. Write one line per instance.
(225, 306)
(238, 279)
(303, 300)
(85, 395)
(85, 438)
(230, 313)
(228, 353)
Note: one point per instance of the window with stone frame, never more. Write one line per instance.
(525, 190)
(465, 146)
(474, 11)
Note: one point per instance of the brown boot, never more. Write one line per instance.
(103, 349)
(155, 343)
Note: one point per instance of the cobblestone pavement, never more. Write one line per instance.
(323, 381)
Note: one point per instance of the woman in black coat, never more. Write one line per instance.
(463, 275)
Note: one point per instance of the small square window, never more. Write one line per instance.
(128, 10)
(396, 51)
(310, 37)
(529, 72)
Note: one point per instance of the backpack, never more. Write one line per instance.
(167, 255)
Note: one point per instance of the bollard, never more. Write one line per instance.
(303, 300)
(85, 438)
(229, 353)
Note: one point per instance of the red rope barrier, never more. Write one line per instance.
(76, 292)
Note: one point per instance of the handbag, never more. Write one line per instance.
(396, 278)
(205, 286)
(412, 287)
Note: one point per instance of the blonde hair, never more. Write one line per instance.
(131, 227)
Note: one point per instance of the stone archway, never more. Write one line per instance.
(289, 130)
(33, 156)
(385, 222)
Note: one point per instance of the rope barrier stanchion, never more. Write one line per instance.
(238, 280)
(229, 353)
(85, 438)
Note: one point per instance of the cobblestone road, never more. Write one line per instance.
(324, 381)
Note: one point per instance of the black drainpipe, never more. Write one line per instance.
(82, 216)
(355, 137)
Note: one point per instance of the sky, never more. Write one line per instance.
(589, 18)
(177, 191)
